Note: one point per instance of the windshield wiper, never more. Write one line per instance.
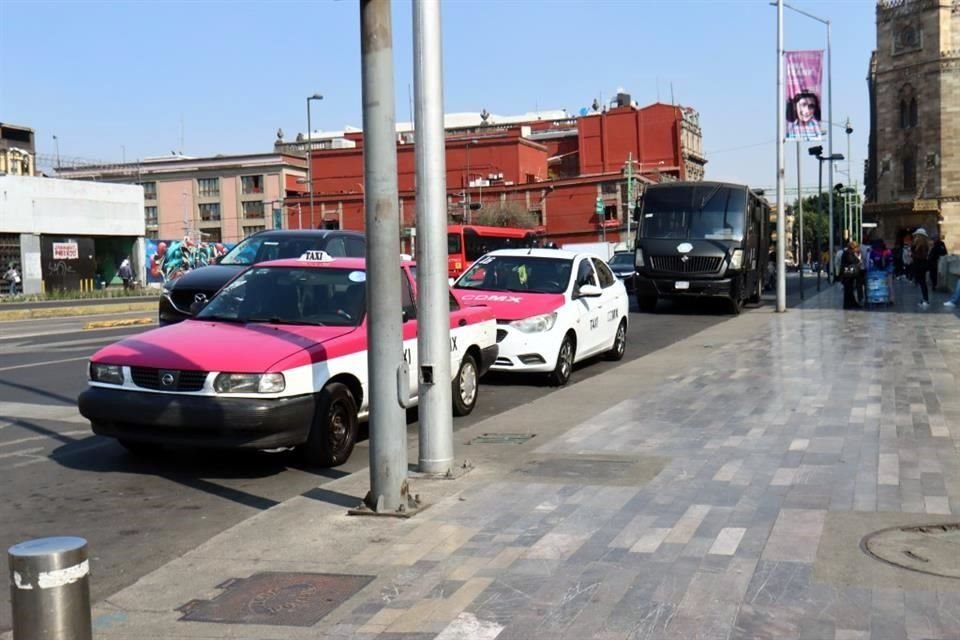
(217, 318)
(276, 320)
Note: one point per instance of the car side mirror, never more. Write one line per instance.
(589, 291)
(409, 314)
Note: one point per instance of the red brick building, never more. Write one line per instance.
(554, 168)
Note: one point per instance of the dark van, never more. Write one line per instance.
(701, 240)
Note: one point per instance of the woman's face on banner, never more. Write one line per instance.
(806, 108)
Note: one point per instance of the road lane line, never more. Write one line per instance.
(68, 434)
(42, 364)
(22, 452)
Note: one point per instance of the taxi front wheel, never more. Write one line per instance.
(334, 429)
(561, 373)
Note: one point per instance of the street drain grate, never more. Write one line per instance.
(502, 438)
(932, 549)
(276, 598)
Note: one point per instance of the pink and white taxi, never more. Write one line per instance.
(554, 308)
(277, 358)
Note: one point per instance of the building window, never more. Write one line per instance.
(149, 190)
(212, 235)
(610, 212)
(903, 114)
(249, 231)
(208, 187)
(210, 211)
(909, 169)
(253, 209)
(150, 215)
(913, 112)
(152, 235)
(251, 185)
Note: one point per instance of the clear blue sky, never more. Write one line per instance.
(108, 75)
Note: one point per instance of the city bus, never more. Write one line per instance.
(466, 243)
(701, 240)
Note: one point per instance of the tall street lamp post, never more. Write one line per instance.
(817, 152)
(315, 96)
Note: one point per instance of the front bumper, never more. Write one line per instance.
(650, 286)
(199, 421)
(527, 352)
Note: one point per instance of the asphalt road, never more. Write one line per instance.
(57, 478)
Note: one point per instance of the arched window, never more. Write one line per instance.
(903, 114)
(909, 172)
(913, 112)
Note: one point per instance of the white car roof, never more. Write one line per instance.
(536, 253)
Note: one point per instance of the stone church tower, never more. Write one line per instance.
(913, 166)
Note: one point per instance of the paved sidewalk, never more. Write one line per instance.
(719, 488)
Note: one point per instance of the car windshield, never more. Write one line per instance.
(694, 213)
(622, 260)
(260, 248)
(517, 273)
(292, 295)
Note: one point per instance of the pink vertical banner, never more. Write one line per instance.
(804, 72)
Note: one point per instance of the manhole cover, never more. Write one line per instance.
(932, 549)
(276, 598)
(502, 438)
(594, 469)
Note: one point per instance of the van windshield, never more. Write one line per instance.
(707, 212)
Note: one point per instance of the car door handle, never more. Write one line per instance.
(462, 322)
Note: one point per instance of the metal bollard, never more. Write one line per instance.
(50, 589)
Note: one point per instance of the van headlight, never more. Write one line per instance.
(536, 324)
(106, 373)
(639, 258)
(249, 383)
(736, 259)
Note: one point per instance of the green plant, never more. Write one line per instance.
(97, 294)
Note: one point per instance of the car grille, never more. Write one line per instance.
(501, 334)
(183, 380)
(693, 264)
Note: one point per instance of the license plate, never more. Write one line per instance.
(681, 284)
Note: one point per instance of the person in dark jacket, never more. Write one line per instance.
(851, 271)
(937, 251)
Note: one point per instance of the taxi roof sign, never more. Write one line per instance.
(316, 255)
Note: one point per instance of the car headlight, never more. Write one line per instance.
(736, 259)
(107, 373)
(639, 258)
(536, 324)
(249, 383)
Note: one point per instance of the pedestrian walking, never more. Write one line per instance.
(937, 250)
(920, 255)
(126, 274)
(851, 272)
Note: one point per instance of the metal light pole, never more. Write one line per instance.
(385, 363)
(803, 255)
(315, 96)
(829, 111)
(781, 198)
(433, 340)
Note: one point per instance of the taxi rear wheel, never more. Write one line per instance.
(619, 343)
(334, 429)
(465, 390)
(561, 373)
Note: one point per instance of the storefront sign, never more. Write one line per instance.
(66, 251)
(926, 205)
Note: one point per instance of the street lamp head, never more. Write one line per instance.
(836, 156)
(315, 96)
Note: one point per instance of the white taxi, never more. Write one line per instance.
(278, 358)
(553, 308)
